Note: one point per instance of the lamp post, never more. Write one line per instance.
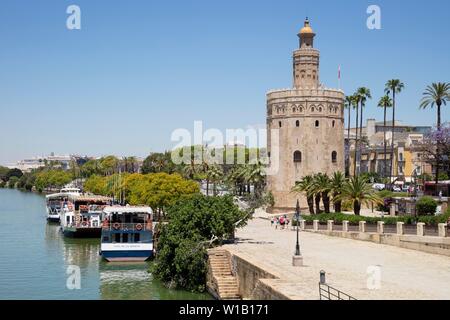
(297, 259)
(297, 217)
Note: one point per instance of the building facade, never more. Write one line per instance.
(305, 125)
(407, 160)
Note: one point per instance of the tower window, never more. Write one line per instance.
(334, 157)
(317, 123)
(297, 156)
(333, 123)
(279, 124)
(297, 123)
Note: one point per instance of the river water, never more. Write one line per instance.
(38, 262)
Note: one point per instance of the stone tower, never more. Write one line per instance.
(305, 127)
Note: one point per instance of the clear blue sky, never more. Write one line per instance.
(137, 70)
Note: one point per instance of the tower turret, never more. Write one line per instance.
(306, 59)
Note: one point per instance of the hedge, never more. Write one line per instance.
(354, 220)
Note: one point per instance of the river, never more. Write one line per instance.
(38, 262)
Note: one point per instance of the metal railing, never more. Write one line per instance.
(327, 292)
(116, 226)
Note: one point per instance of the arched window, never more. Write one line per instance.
(297, 123)
(317, 123)
(334, 156)
(297, 156)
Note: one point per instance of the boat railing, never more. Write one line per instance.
(86, 224)
(116, 226)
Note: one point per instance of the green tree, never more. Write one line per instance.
(359, 192)
(426, 206)
(322, 186)
(436, 95)
(363, 94)
(349, 104)
(393, 86)
(385, 102)
(305, 186)
(336, 186)
(12, 182)
(196, 223)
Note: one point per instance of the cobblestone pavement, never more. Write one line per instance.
(405, 274)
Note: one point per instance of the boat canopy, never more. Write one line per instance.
(127, 209)
(88, 198)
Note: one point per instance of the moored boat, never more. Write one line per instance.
(82, 215)
(55, 203)
(127, 233)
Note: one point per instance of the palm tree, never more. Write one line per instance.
(305, 186)
(214, 174)
(364, 94)
(255, 175)
(385, 102)
(356, 99)
(190, 169)
(349, 105)
(336, 185)
(437, 94)
(359, 192)
(322, 187)
(395, 86)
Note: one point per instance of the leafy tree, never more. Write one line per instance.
(196, 223)
(436, 95)
(426, 206)
(14, 173)
(13, 181)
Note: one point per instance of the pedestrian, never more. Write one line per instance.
(282, 222)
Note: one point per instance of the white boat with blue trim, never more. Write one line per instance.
(127, 233)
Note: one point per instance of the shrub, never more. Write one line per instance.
(194, 221)
(426, 206)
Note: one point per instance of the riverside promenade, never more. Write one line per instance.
(405, 274)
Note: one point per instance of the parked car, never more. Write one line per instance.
(406, 188)
(396, 189)
(379, 186)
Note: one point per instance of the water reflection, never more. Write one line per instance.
(128, 280)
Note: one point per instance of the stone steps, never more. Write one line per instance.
(226, 284)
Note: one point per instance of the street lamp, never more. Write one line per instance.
(297, 259)
(297, 217)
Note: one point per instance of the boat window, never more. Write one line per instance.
(105, 239)
(137, 237)
(125, 237)
(117, 237)
(127, 218)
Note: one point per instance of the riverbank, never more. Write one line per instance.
(262, 261)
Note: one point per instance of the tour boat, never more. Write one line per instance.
(81, 215)
(55, 203)
(127, 233)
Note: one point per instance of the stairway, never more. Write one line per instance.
(224, 283)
